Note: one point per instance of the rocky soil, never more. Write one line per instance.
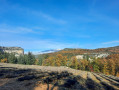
(33, 77)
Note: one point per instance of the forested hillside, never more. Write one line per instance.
(108, 65)
(71, 51)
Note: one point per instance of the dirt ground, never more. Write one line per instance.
(33, 77)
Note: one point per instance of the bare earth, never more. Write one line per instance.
(33, 77)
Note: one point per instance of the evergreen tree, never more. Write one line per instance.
(30, 59)
(40, 60)
(12, 58)
(21, 60)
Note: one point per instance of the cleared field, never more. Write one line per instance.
(33, 77)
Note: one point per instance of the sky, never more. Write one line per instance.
(38, 25)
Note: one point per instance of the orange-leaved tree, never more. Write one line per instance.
(74, 62)
(4, 60)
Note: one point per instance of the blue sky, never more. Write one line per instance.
(37, 25)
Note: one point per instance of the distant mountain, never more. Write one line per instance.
(77, 51)
(67, 49)
(47, 51)
(116, 47)
(52, 50)
(105, 49)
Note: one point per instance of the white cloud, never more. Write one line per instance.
(48, 17)
(9, 7)
(17, 29)
(111, 42)
(99, 16)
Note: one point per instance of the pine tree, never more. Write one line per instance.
(21, 60)
(12, 58)
(30, 59)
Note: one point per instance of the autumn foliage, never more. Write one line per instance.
(108, 65)
(58, 60)
(4, 60)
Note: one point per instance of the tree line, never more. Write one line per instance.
(108, 65)
(27, 59)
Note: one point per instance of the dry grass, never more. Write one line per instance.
(33, 77)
